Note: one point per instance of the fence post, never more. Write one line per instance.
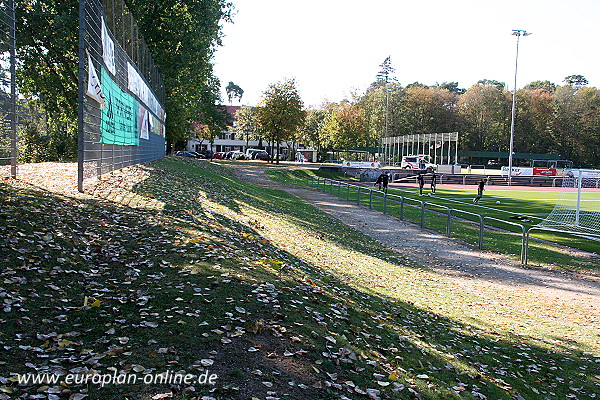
(370, 199)
(358, 196)
(339, 185)
(448, 229)
(402, 208)
(348, 192)
(422, 214)
(385, 203)
(480, 232)
(81, 97)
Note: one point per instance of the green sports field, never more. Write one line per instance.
(519, 209)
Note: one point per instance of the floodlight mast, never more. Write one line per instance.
(518, 33)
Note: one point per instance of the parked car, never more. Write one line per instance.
(219, 155)
(185, 154)
(257, 154)
(237, 155)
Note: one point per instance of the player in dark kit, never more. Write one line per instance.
(385, 180)
(480, 189)
(433, 182)
(421, 181)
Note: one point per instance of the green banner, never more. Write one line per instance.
(119, 124)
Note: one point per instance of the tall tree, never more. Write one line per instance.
(430, 109)
(576, 80)
(281, 112)
(452, 87)
(544, 85)
(234, 91)
(182, 37)
(346, 128)
(247, 123)
(485, 108)
(312, 133)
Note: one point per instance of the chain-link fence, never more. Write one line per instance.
(8, 123)
(121, 94)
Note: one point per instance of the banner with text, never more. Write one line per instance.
(119, 123)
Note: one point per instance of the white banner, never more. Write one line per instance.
(143, 115)
(138, 86)
(94, 90)
(108, 50)
(361, 164)
(518, 171)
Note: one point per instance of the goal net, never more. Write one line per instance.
(578, 206)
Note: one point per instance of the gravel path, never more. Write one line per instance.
(538, 291)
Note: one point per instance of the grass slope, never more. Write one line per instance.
(191, 271)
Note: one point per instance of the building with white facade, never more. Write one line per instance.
(230, 141)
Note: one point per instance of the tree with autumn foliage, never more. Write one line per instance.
(346, 128)
(280, 113)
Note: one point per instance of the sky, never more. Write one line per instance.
(334, 48)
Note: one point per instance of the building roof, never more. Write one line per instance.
(233, 110)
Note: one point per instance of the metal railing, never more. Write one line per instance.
(361, 194)
(554, 230)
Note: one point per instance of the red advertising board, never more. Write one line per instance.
(544, 171)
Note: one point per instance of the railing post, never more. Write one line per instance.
(339, 185)
(385, 203)
(422, 214)
(370, 199)
(358, 196)
(448, 223)
(402, 208)
(480, 232)
(348, 192)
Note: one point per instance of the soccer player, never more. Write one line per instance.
(421, 181)
(385, 180)
(433, 182)
(480, 188)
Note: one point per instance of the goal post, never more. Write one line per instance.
(577, 208)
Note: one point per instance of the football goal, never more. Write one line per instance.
(578, 207)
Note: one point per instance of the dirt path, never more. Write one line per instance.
(503, 280)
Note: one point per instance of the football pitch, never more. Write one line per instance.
(506, 213)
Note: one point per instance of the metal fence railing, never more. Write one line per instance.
(8, 91)
(125, 124)
(444, 219)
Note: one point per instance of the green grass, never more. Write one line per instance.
(499, 240)
(199, 265)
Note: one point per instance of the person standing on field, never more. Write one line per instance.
(421, 181)
(379, 181)
(480, 189)
(385, 180)
(433, 182)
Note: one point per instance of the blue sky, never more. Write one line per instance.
(334, 47)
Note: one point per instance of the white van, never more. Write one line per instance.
(417, 163)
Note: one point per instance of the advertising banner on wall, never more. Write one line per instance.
(119, 123)
(518, 171)
(544, 171)
(528, 171)
(361, 164)
(108, 49)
